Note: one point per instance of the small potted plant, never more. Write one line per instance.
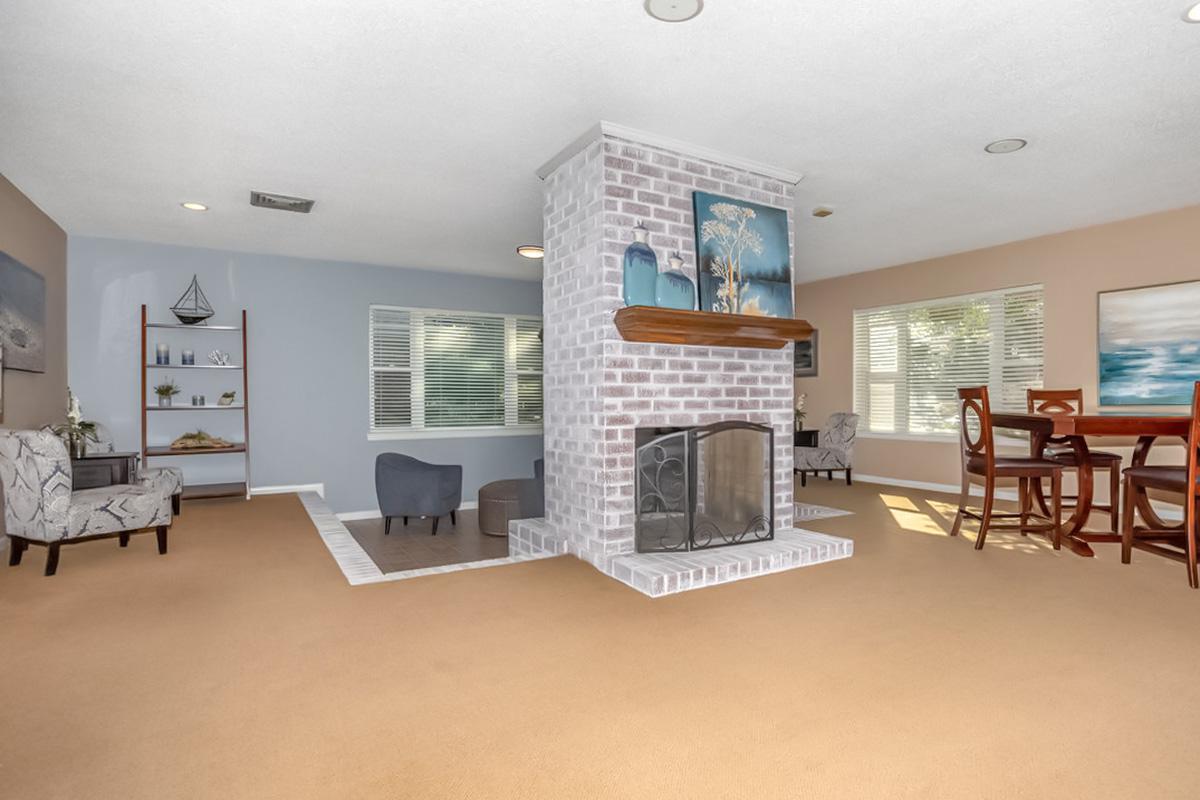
(799, 411)
(76, 430)
(165, 391)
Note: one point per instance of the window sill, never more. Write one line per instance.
(945, 438)
(457, 433)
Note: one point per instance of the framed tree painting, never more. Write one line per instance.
(1149, 345)
(743, 257)
(22, 316)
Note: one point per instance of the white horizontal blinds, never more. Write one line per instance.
(527, 339)
(909, 360)
(391, 369)
(453, 369)
(464, 370)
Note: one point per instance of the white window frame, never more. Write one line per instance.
(996, 361)
(416, 368)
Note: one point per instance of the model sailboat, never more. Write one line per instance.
(193, 307)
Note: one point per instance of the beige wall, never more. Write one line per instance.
(33, 399)
(1072, 267)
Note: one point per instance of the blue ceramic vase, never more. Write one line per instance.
(673, 289)
(641, 270)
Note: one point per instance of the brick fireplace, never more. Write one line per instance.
(599, 388)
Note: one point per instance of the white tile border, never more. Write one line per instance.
(357, 566)
(808, 512)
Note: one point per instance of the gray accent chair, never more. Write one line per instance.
(41, 508)
(834, 451)
(408, 487)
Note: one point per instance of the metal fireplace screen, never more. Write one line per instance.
(702, 487)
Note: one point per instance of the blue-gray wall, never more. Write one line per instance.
(307, 335)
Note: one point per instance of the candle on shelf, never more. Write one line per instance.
(189, 358)
(162, 354)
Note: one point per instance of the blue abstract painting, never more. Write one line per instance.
(22, 316)
(1149, 345)
(744, 263)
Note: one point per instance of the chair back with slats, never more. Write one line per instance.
(1054, 401)
(975, 426)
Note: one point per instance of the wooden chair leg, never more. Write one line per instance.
(161, 533)
(1189, 528)
(1127, 522)
(1056, 503)
(1114, 495)
(387, 525)
(989, 499)
(175, 505)
(16, 549)
(405, 521)
(803, 478)
(52, 558)
(962, 505)
(829, 474)
(123, 538)
(435, 522)
(1023, 505)
(453, 519)
(848, 483)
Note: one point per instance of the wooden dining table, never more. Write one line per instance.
(1075, 430)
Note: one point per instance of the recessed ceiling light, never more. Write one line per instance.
(674, 10)
(531, 251)
(1192, 14)
(1006, 146)
(190, 206)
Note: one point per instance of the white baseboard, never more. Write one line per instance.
(1164, 510)
(319, 488)
(350, 516)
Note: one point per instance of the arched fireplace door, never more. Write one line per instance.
(702, 487)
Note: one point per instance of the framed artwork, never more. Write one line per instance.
(22, 316)
(1149, 344)
(806, 357)
(743, 257)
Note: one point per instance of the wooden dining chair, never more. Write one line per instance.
(1059, 449)
(1178, 543)
(979, 458)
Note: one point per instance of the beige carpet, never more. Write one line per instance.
(243, 666)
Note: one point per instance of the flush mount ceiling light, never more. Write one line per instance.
(190, 206)
(1005, 146)
(1192, 14)
(674, 10)
(531, 251)
(820, 212)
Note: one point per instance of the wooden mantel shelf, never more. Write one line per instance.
(707, 328)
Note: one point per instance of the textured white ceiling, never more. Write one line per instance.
(417, 126)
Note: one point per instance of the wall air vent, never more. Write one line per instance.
(281, 202)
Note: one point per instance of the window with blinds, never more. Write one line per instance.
(434, 370)
(910, 359)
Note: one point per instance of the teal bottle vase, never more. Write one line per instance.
(673, 289)
(641, 270)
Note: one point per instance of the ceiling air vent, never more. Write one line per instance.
(281, 202)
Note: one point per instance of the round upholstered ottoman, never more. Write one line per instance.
(499, 503)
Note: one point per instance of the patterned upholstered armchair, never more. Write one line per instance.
(168, 480)
(834, 451)
(40, 507)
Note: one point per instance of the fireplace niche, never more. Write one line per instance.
(702, 487)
